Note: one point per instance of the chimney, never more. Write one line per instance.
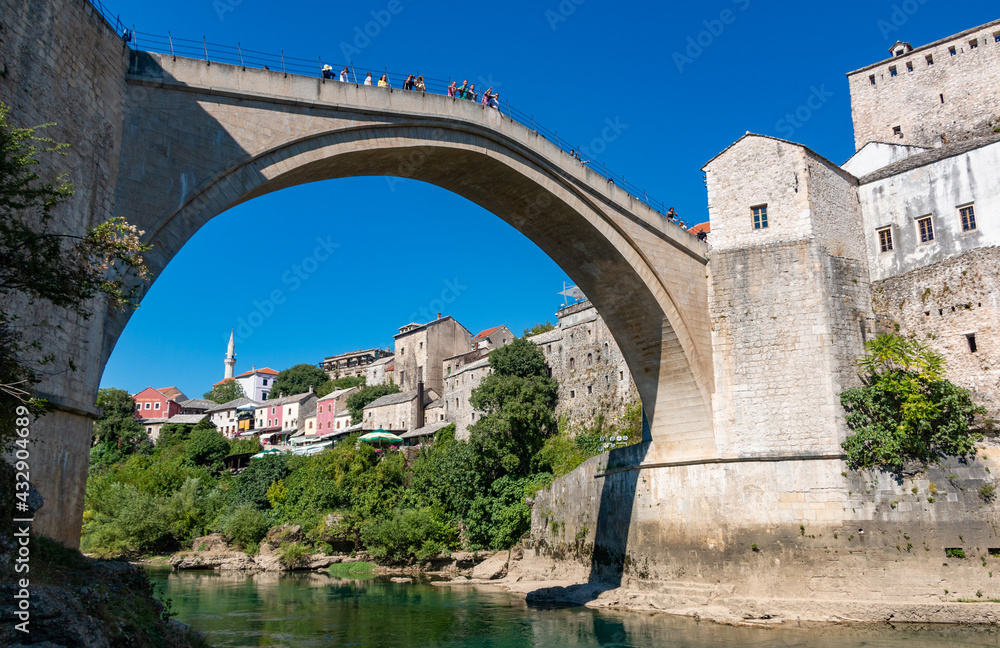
(420, 405)
(310, 389)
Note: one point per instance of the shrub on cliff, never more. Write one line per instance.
(906, 410)
(207, 448)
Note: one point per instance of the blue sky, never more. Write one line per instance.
(683, 80)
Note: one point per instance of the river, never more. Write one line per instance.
(234, 609)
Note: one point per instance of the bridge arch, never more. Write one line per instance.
(202, 138)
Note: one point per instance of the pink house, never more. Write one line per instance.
(158, 403)
(331, 411)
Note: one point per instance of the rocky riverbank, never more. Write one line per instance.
(545, 581)
(283, 550)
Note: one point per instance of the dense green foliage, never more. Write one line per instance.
(396, 506)
(340, 383)
(297, 380)
(357, 401)
(906, 410)
(245, 446)
(538, 329)
(38, 262)
(117, 434)
(207, 448)
(225, 391)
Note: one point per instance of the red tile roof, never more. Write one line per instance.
(172, 393)
(222, 381)
(699, 228)
(265, 370)
(487, 332)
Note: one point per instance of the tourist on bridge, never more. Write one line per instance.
(368, 79)
(383, 82)
(419, 86)
(343, 75)
(463, 91)
(452, 90)
(672, 215)
(408, 84)
(486, 97)
(495, 100)
(327, 72)
(471, 93)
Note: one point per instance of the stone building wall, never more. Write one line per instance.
(789, 303)
(943, 305)
(957, 97)
(593, 377)
(394, 418)
(68, 39)
(419, 352)
(458, 390)
(936, 184)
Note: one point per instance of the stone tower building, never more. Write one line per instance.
(940, 93)
(809, 259)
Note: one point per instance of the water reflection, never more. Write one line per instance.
(318, 610)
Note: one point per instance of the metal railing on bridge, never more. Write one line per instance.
(238, 55)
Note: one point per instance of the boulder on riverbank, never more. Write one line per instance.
(213, 552)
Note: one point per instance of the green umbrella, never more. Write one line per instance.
(380, 436)
(266, 452)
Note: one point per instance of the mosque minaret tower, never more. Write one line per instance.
(230, 357)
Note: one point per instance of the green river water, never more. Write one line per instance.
(234, 609)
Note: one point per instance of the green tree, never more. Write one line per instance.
(250, 486)
(345, 382)
(518, 400)
(173, 433)
(245, 446)
(538, 329)
(297, 380)
(207, 448)
(906, 410)
(357, 401)
(117, 433)
(37, 262)
(225, 391)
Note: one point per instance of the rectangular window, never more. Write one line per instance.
(909, 66)
(885, 239)
(147, 405)
(930, 59)
(897, 131)
(996, 37)
(971, 339)
(759, 217)
(952, 51)
(871, 78)
(974, 43)
(968, 216)
(156, 405)
(926, 229)
(892, 70)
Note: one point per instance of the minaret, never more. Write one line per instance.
(230, 357)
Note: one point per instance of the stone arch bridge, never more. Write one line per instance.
(199, 138)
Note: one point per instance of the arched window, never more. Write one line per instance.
(590, 359)
(572, 363)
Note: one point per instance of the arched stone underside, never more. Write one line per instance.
(200, 139)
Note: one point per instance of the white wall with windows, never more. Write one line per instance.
(923, 214)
